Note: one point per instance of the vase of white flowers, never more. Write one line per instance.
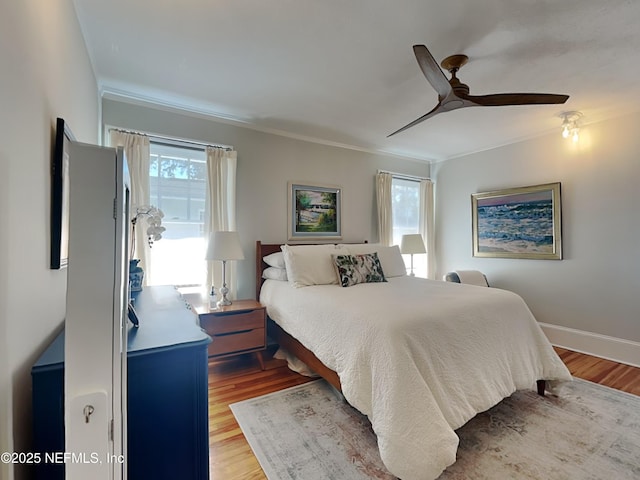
(154, 233)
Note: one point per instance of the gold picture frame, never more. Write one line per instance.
(522, 222)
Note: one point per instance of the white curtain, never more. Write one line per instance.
(426, 224)
(136, 149)
(221, 209)
(383, 197)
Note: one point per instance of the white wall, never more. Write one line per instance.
(596, 287)
(266, 162)
(46, 73)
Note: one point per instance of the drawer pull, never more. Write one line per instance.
(239, 312)
(232, 333)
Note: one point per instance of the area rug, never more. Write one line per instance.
(585, 432)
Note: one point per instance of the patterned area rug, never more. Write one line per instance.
(587, 432)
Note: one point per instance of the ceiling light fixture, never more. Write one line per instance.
(570, 127)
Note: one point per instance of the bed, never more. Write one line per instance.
(419, 357)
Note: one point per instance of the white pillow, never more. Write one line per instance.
(274, 273)
(360, 268)
(390, 257)
(310, 264)
(274, 260)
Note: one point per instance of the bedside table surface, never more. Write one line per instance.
(200, 305)
(238, 306)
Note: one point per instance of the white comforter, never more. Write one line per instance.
(419, 357)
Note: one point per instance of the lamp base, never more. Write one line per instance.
(224, 301)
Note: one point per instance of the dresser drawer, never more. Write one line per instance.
(220, 323)
(224, 343)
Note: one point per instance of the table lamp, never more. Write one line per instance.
(224, 246)
(412, 244)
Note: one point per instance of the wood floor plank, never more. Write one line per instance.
(598, 370)
(239, 378)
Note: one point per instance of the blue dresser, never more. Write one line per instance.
(167, 408)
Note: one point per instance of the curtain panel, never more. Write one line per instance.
(221, 209)
(383, 198)
(426, 224)
(137, 153)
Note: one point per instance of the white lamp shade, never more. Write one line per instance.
(224, 246)
(412, 243)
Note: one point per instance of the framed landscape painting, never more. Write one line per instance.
(314, 212)
(518, 223)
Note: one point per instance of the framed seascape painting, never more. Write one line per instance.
(518, 223)
(314, 212)
(60, 196)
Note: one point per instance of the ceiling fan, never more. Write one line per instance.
(453, 94)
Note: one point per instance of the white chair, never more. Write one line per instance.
(470, 277)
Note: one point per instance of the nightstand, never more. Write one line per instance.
(235, 329)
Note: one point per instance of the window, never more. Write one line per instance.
(177, 184)
(405, 206)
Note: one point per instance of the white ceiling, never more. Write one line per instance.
(343, 71)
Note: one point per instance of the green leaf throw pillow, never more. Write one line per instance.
(354, 269)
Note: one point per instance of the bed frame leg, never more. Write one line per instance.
(541, 386)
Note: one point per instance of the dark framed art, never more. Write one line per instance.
(314, 211)
(518, 223)
(60, 195)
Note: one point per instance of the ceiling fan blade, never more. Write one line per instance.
(436, 110)
(432, 71)
(503, 99)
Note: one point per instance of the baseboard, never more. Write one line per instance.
(603, 346)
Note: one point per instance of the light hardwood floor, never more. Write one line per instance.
(605, 372)
(240, 378)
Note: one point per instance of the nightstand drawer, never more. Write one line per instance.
(221, 323)
(223, 343)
